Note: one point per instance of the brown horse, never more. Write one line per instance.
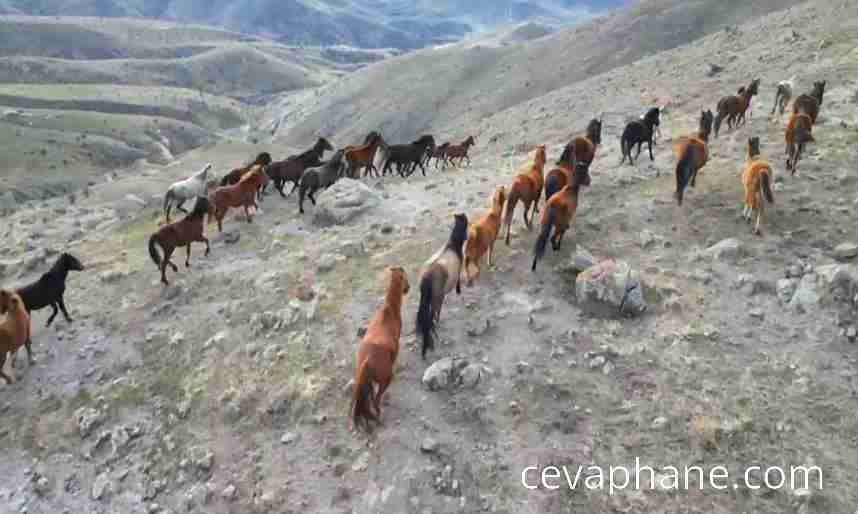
(482, 236)
(798, 133)
(757, 180)
(234, 176)
(378, 350)
(292, 168)
(560, 212)
(180, 233)
(732, 108)
(692, 153)
(362, 156)
(527, 187)
(584, 146)
(810, 103)
(14, 330)
(460, 151)
(439, 154)
(242, 194)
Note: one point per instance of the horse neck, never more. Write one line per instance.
(59, 270)
(393, 299)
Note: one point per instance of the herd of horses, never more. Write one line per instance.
(461, 256)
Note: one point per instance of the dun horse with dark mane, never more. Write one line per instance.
(441, 274)
(378, 350)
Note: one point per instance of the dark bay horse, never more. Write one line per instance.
(638, 132)
(693, 153)
(460, 151)
(810, 103)
(232, 178)
(180, 233)
(580, 149)
(559, 213)
(732, 108)
(291, 168)
(408, 157)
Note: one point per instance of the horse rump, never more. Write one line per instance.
(425, 315)
(542, 240)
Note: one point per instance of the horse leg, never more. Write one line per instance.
(524, 215)
(382, 387)
(640, 144)
(62, 305)
(247, 213)
(164, 272)
(651, 158)
(204, 239)
(53, 314)
(2, 365)
(311, 197)
(179, 206)
(188, 258)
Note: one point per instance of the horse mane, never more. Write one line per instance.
(201, 207)
(458, 235)
(59, 264)
(568, 154)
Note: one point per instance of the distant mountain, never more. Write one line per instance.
(401, 24)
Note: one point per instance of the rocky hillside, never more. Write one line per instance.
(228, 390)
(360, 23)
(424, 91)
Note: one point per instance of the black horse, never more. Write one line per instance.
(638, 132)
(408, 157)
(320, 178)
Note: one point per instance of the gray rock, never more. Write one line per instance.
(429, 445)
(229, 493)
(597, 362)
(728, 250)
(647, 239)
(659, 422)
(343, 202)
(582, 260)
(114, 275)
(101, 487)
(610, 287)
(807, 294)
(41, 485)
(786, 289)
(846, 251)
(288, 438)
(88, 419)
(443, 373)
(473, 374)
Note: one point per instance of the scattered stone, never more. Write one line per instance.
(443, 373)
(852, 333)
(112, 276)
(608, 368)
(361, 463)
(229, 493)
(231, 236)
(659, 422)
(610, 288)
(343, 202)
(102, 487)
(41, 485)
(597, 362)
(472, 375)
(429, 445)
(88, 419)
(479, 327)
(846, 251)
(786, 289)
(647, 239)
(288, 438)
(728, 250)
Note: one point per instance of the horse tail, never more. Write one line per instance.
(766, 185)
(362, 393)
(625, 147)
(510, 209)
(302, 190)
(153, 251)
(551, 186)
(542, 240)
(425, 316)
(778, 94)
(718, 118)
(684, 169)
(168, 199)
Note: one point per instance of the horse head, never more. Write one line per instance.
(653, 116)
(594, 131)
(460, 226)
(70, 262)
(264, 159)
(582, 173)
(819, 90)
(753, 89)
(706, 119)
(753, 146)
(324, 145)
(397, 274)
(470, 141)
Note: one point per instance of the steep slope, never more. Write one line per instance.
(425, 90)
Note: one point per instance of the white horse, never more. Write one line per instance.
(783, 94)
(184, 190)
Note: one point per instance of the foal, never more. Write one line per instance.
(693, 153)
(757, 180)
(559, 212)
(441, 273)
(810, 103)
(181, 233)
(638, 132)
(482, 236)
(14, 330)
(363, 156)
(526, 186)
(242, 194)
(377, 352)
(460, 151)
(732, 108)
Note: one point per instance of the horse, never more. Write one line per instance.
(184, 190)
(693, 153)
(14, 331)
(757, 181)
(585, 146)
(320, 178)
(49, 289)
(363, 156)
(557, 178)
(291, 168)
(242, 194)
(378, 350)
(811, 102)
(441, 273)
(232, 178)
(526, 186)
(783, 94)
(799, 132)
(559, 212)
(482, 236)
(638, 132)
(181, 233)
(408, 156)
(439, 154)
(460, 151)
(732, 108)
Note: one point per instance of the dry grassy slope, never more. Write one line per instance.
(428, 89)
(778, 384)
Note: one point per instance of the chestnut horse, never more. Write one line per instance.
(292, 168)
(527, 187)
(585, 146)
(377, 352)
(14, 330)
(441, 273)
(810, 103)
(559, 212)
(363, 156)
(732, 108)
(460, 151)
(242, 194)
(232, 178)
(693, 153)
(799, 132)
(482, 236)
(180, 233)
(757, 180)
